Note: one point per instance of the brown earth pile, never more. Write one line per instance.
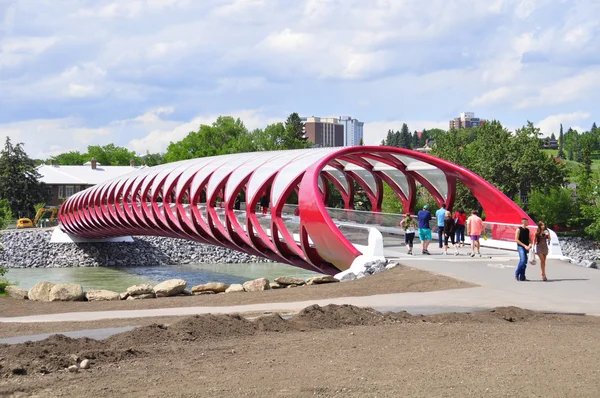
(58, 352)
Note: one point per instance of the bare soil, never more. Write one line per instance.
(327, 351)
(400, 279)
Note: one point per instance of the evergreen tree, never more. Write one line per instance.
(389, 139)
(396, 141)
(294, 127)
(405, 137)
(593, 127)
(361, 143)
(552, 136)
(19, 180)
(561, 143)
(415, 140)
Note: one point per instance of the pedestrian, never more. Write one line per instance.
(460, 219)
(449, 231)
(424, 218)
(408, 225)
(264, 204)
(474, 230)
(523, 246)
(540, 240)
(237, 204)
(441, 216)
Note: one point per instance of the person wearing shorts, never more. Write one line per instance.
(424, 218)
(408, 225)
(474, 229)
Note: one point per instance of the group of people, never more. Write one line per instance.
(451, 229)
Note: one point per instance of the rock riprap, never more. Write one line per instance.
(16, 292)
(215, 287)
(144, 251)
(257, 285)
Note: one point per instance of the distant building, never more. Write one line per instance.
(353, 130)
(65, 181)
(549, 143)
(324, 132)
(466, 120)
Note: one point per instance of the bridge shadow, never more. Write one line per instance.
(139, 253)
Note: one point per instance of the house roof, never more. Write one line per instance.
(82, 175)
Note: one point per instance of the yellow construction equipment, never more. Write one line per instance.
(28, 223)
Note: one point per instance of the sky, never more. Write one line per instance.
(143, 73)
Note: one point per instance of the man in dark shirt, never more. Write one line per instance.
(523, 245)
(424, 217)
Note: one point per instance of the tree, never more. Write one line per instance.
(554, 207)
(295, 127)
(552, 136)
(5, 216)
(73, 158)
(561, 143)
(405, 137)
(19, 179)
(153, 159)
(361, 142)
(112, 155)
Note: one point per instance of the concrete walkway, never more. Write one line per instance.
(570, 289)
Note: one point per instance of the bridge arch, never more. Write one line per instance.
(194, 199)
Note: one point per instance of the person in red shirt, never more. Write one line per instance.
(460, 219)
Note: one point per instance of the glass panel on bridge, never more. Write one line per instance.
(437, 178)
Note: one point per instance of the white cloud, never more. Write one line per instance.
(492, 97)
(551, 124)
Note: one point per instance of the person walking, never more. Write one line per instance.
(540, 240)
(474, 230)
(440, 215)
(408, 225)
(460, 219)
(424, 218)
(523, 246)
(449, 231)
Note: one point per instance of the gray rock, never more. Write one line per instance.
(234, 288)
(171, 287)
(141, 296)
(289, 280)
(350, 276)
(102, 295)
(216, 287)
(256, 285)
(66, 292)
(321, 279)
(40, 291)
(73, 368)
(85, 364)
(16, 292)
(140, 289)
(275, 285)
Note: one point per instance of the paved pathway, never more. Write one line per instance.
(570, 289)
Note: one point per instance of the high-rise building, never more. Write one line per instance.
(324, 132)
(353, 130)
(466, 121)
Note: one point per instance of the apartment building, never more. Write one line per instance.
(466, 120)
(353, 130)
(324, 131)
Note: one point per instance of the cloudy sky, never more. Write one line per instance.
(142, 73)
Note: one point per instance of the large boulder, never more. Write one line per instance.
(66, 292)
(172, 287)
(257, 285)
(40, 291)
(321, 279)
(216, 287)
(144, 288)
(16, 292)
(235, 287)
(141, 296)
(289, 280)
(102, 295)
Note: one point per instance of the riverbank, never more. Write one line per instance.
(399, 279)
(32, 248)
(322, 351)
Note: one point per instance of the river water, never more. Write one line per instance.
(119, 279)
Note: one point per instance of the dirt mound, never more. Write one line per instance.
(144, 335)
(335, 316)
(209, 326)
(273, 323)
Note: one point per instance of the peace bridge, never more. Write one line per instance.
(196, 200)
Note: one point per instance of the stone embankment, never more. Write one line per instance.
(32, 249)
(581, 251)
(48, 291)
